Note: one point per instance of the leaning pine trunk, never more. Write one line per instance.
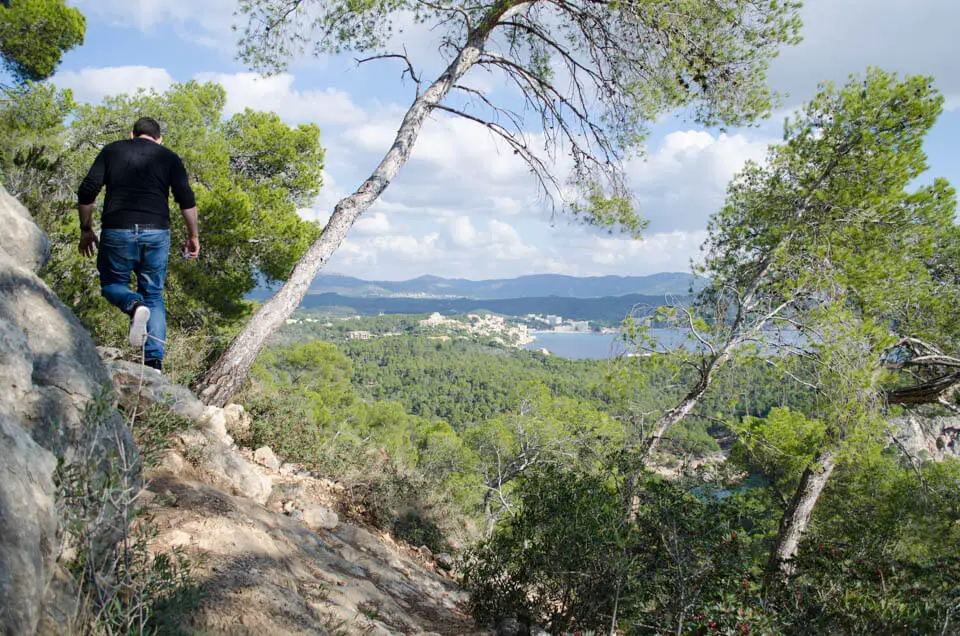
(225, 377)
(796, 518)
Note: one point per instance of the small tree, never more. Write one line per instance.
(34, 35)
(826, 240)
(620, 66)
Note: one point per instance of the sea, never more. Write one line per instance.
(577, 346)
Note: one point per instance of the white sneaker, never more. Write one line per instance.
(138, 327)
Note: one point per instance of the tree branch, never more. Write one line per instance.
(409, 70)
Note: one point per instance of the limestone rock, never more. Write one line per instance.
(226, 465)
(22, 238)
(238, 420)
(931, 438)
(265, 457)
(140, 386)
(243, 478)
(214, 422)
(320, 518)
(55, 390)
(359, 537)
(109, 354)
(28, 527)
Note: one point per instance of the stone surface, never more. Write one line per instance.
(265, 457)
(320, 518)
(50, 375)
(139, 386)
(244, 478)
(28, 527)
(238, 420)
(266, 573)
(22, 239)
(445, 561)
(927, 438)
(109, 354)
(214, 422)
(226, 465)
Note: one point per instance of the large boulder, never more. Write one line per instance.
(933, 438)
(28, 527)
(55, 391)
(139, 386)
(23, 240)
(209, 443)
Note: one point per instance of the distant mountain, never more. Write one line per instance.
(606, 309)
(535, 286)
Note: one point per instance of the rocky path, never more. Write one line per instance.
(273, 557)
(267, 573)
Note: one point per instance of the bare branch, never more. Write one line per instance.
(545, 179)
(409, 70)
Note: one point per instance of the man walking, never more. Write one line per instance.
(139, 174)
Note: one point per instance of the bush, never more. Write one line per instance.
(561, 558)
(571, 557)
(128, 589)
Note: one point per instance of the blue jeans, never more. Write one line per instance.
(143, 252)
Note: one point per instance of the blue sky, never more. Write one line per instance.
(463, 207)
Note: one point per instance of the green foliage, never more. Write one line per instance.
(825, 236)
(560, 559)
(779, 446)
(879, 559)
(126, 588)
(460, 382)
(882, 556)
(34, 35)
(251, 173)
(568, 558)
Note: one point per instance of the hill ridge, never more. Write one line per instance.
(528, 286)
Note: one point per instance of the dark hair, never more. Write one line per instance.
(146, 126)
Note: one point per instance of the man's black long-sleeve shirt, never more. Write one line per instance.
(139, 175)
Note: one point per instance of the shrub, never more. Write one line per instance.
(126, 589)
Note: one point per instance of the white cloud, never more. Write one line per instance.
(506, 242)
(462, 232)
(277, 94)
(684, 180)
(659, 252)
(503, 251)
(93, 84)
(206, 22)
(373, 225)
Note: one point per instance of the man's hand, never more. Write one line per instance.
(191, 247)
(88, 243)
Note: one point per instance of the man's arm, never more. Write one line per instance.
(86, 196)
(192, 245)
(88, 238)
(183, 195)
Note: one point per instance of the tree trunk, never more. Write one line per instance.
(691, 399)
(225, 377)
(796, 518)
